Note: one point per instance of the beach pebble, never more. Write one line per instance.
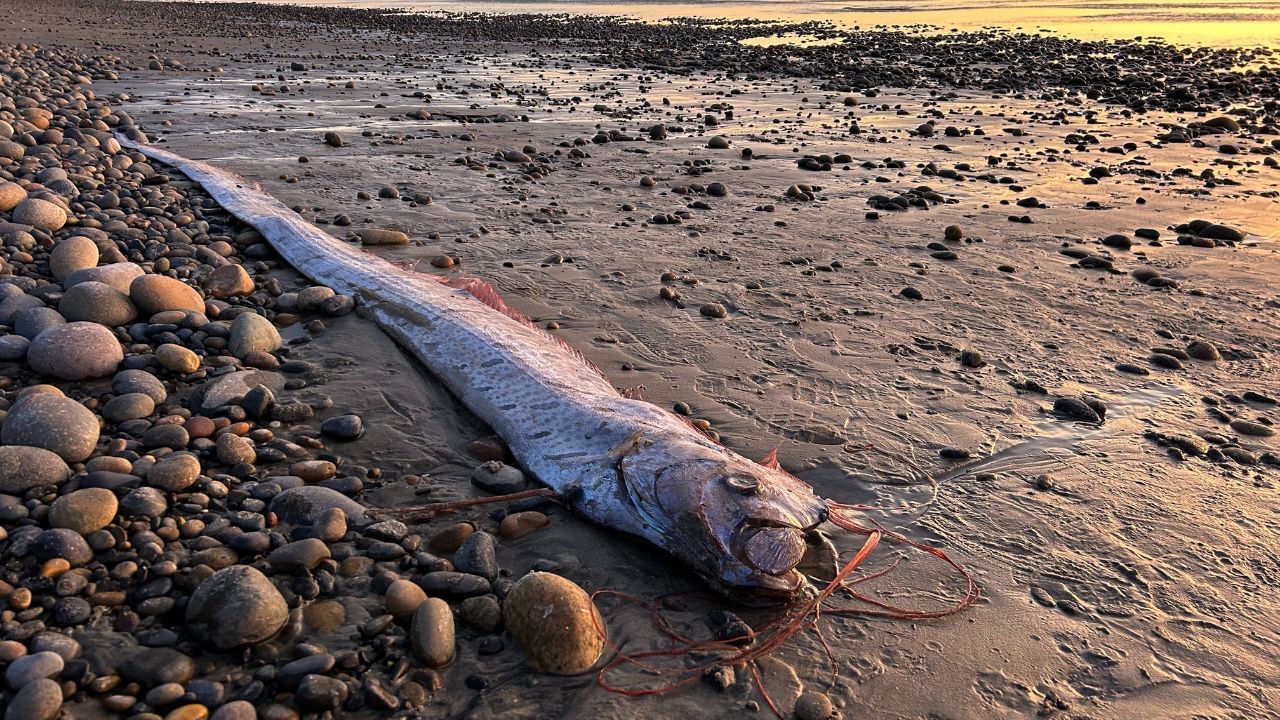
(228, 281)
(487, 448)
(176, 358)
(1247, 427)
(431, 633)
(330, 526)
(143, 502)
(236, 710)
(251, 332)
(313, 471)
(376, 236)
(74, 253)
(343, 427)
(52, 422)
(236, 606)
(299, 556)
(12, 150)
(309, 299)
(233, 449)
(75, 351)
(174, 472)
(333, 139)
(814, 706)
(150, 667)
(30, 668)
(63, 544)
(23, 468)
(478, 555)
(84, 511)
(12, 306)
(403, 597)
(482, 612)
(192, 711)
(714, 310)
(139, 381)
(451, 538)
(97, 303)
(130, 406)
(10, 195)
(517, 525)
(156, 293)
(303, 505)
(1201, 350)
(1076, 409)
(555, 622)
(40, 213)
(320, 693)
(39, 700)
(451, 584)
(13, 347)
(498, 478)
(31, 322)
(118, 275)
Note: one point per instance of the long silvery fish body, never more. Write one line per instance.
(623, 463)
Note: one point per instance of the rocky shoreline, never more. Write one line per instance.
(167, 504)
(195, 523)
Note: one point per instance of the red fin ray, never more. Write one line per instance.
(771, 460)
(484, 292)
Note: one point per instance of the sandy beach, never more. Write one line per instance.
(1041, 272)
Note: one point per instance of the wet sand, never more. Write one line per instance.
(1122, 577)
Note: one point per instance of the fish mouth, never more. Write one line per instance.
(779, 590)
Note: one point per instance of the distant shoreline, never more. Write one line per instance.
(1186, 23)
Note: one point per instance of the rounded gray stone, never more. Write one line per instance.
(40, 700)
(97, 302)
(23, 468)
(31, 322)
(29, 668)
(40, 213)
(129, 406)
(52, 422)
(236, 606)
(61, 543)
(74, 253)
(303, 505)
(139, 381)
(143, 502)
(13, 347)
(75, 351)
(431, 633)
(118, 275)
(250, 332)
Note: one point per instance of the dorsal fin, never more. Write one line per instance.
(771, 460)
(484, 292)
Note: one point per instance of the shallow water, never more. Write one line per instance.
(1184, 22)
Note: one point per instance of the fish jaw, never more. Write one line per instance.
(739, 524)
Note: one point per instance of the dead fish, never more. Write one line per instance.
(620, 462)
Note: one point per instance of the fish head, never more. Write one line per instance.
(739, 524)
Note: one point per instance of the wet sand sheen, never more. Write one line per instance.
(1128, 572)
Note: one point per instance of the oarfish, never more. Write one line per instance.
(623, 463)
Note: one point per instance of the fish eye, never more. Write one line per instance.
(744, 484)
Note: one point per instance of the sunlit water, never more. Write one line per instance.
(1184, 22)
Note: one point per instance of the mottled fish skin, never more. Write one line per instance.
(622, 463)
